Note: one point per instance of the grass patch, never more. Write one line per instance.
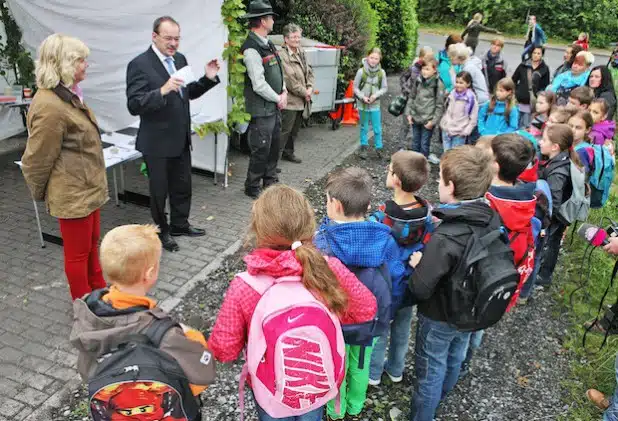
(581, 295)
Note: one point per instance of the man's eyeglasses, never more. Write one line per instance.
(169, 39)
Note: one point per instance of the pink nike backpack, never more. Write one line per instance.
(295, 349)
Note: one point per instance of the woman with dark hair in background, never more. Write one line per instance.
(600, 80)
(569, 56)
(530, 77)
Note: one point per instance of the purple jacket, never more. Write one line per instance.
(602, 131)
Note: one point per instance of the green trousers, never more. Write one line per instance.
(353, 391)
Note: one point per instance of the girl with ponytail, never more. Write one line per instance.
(557, 146)
(281, 237)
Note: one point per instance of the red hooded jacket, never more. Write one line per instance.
(516, 206)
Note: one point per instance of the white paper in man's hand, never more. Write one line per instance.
(186, 74)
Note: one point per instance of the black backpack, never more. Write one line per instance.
(136, 377)
(481, 286)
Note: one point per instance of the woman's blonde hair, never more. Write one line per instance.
(459, 51)
(281, 216)
(586, 56)
(57, 60)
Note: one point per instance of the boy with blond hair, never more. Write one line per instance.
(409, 217)
(130, 257)
(465, 175)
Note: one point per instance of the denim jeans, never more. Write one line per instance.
(475, 343)
(421, 139)
(528, 287)
(611, 414)
(315, 415)
(440, 350)
(524, 120)
(551, 251)
(397, 349)
(450, 142)
(375, 117)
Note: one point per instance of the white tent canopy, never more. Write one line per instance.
(118, 30)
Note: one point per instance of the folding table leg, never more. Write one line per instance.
(115, 187)
(38, 223)
(216, 147)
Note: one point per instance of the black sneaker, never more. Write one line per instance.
(291, 158)
(362, 153)
(379, 153)
(253, 193)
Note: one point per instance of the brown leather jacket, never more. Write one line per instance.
(298, 77)
(63, 163)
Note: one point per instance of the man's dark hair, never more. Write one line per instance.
(352, 187)
(158, 21)
(255, 22)
(513, 153)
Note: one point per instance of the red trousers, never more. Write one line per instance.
(81, 253)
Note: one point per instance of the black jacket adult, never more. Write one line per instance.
(557, 173)
(165, 127)
(540, 80)
(430, 281)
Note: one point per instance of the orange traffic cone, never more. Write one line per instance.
(350, 113)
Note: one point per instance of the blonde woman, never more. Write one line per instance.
(474, 29)
(63, 162)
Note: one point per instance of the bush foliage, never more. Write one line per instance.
(352, 24)
(559, 18)
(397, 31)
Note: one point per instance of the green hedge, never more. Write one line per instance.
(559, 18)
(397, 31)
(349, 23)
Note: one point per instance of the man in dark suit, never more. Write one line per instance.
(164, 136)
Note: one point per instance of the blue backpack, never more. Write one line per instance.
(411, 236)
(378, 281)
(602, 177)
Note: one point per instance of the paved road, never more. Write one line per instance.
(553, 57)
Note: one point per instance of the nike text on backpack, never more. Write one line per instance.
(481, 286)
(576, 207)
(295, 349)
(602, 177)
(136, 379)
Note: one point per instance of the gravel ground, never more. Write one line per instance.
(515, 375)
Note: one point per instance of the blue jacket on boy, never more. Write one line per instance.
(361, 244)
